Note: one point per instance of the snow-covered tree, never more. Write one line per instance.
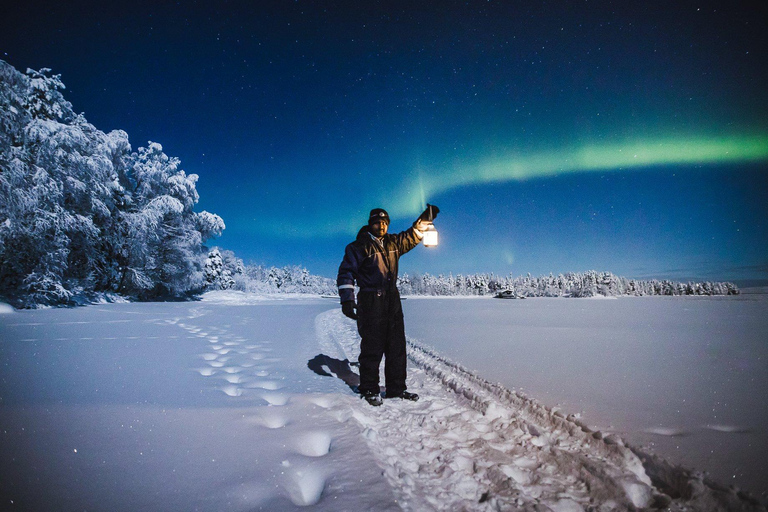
(165, 235)
(221, 269)
(80, 213)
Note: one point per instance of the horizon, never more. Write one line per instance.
(632, 139)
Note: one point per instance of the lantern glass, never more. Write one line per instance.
(430, 237)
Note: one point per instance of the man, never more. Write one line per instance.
(371, 262)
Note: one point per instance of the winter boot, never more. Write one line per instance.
(406, 395)
(372, 398)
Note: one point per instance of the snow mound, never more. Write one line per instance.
(5, 309)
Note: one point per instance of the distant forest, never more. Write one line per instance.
(83, 217)
(225, 271)
(572, 284)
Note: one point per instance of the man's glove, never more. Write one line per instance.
(348, 308)
(426, 218)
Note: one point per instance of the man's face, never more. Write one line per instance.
(378, 228)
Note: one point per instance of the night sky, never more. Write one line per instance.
(554, 136)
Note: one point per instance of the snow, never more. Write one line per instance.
(675, 375)
(244, 403)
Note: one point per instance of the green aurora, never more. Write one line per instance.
(591, 158)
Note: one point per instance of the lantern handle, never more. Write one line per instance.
(430, 209)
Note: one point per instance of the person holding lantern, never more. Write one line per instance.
(371, 262)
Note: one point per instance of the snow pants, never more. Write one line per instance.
(381, 327)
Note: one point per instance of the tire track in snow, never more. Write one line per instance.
(469, 444)
(463, 447)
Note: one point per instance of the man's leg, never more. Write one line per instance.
(372, 326)
(396, 360)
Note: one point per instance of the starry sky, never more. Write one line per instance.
(555, 136)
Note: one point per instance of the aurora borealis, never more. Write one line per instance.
(554, 136)
(603, 158)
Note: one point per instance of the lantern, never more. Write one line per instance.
(430, 236)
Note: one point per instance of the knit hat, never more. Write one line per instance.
(378, 214)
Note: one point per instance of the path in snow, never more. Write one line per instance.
(472, 445)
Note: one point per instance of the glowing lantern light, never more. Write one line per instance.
(430, 236)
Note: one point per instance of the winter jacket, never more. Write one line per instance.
(372, 263)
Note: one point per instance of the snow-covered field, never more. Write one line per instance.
(238, 403)
(685, 377)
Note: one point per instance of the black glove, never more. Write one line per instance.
(348, 308)
(426, 218)
(430, 213)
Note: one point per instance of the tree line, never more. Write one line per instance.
(225, 271)
(571, 284)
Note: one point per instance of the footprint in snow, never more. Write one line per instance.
(313, 444)
(322, 401)
(275, 398)
(270, 385)
(232, 390)
(269, 419)
(304, 485)
(666, 431)
(233, 378)
(731, 429)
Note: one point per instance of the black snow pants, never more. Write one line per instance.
(381, 327)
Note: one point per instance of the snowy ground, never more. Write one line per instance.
(683, 376)
(218, 406)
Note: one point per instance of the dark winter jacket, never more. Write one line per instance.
(372, 263)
